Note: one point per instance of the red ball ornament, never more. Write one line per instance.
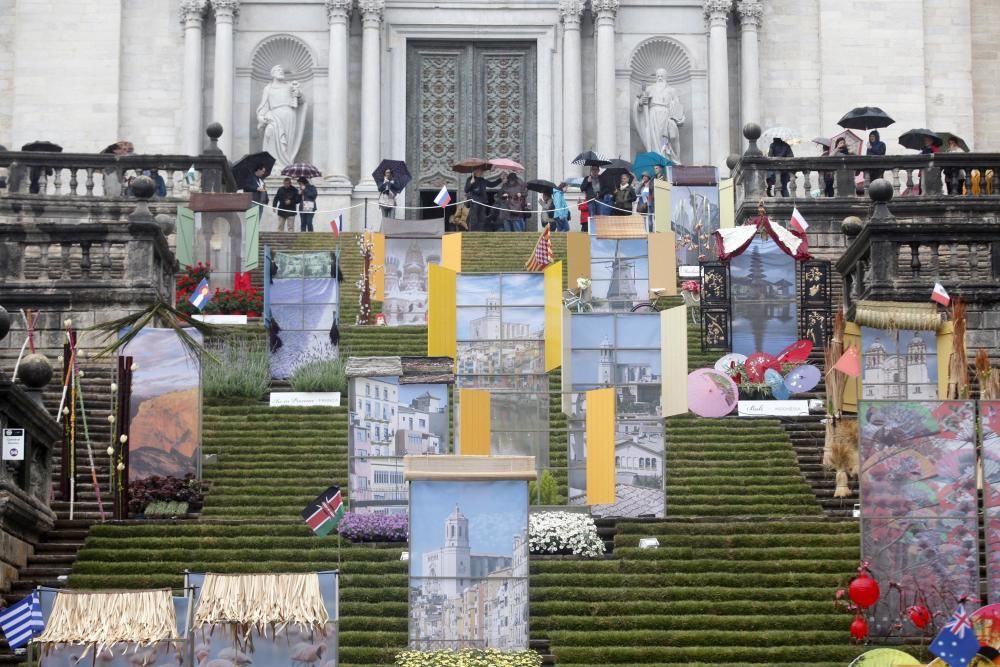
(864, 591)
(859, 628)
(920, 616)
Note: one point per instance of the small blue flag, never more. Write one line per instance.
(956, 644)
(201, 295)
(22, 621)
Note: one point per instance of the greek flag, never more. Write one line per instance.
(22, 621)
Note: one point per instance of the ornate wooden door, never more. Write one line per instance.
(467, 100)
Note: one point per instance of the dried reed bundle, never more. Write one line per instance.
(254, 601)
(958, 362)
(898, 315)
(842, 443)
(103, 620)
(989, 377)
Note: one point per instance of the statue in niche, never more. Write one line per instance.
(658, 115)
(281, 114)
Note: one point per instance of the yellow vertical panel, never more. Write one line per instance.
(553, 316)
(945, 340)
(578, 256)
(441, 312)
(663, 262)
(451, 252)
(474, 422)
(601, 447)
(566, 376)
(377, 277)
(661, 198)
(727, 203)
(852, 387)
(674, 360)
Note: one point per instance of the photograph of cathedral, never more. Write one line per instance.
(619, 272)
(898, 365)
(469, 565)
(406, 261)
(387, 421)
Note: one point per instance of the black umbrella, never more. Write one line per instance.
(400, 173)
(822, 141)
(541, 185)
(865, 118)
(618, 163)
(42, 147)
(592, 159)
(244, 168)
(611, 178)
(946, 136)
(916, 138)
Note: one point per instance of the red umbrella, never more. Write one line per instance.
(797, 352)
(504, 163)
(757, 363)
(711, 393)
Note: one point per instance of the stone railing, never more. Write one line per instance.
(77, 176)
(892, 259)
(952, 175)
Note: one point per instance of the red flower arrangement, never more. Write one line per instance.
(691, 286)
(248, 301)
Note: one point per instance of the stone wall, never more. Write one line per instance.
(6, 72)
(985, 83)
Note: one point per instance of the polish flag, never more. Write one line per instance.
(443, 198)
(940, 295)
(799, 222)
(337, 224)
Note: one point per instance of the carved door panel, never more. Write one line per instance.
(467, 100)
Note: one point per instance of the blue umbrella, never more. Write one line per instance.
(644, 163)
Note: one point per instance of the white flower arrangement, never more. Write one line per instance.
(468, 658)
(559, 532)
(583, 284)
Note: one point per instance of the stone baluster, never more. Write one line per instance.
(73, 183)
(89, 184)
(222, 94)
(192, 16)
(57, 180)
(915, 260)
(605, 13)
(64, 272)
(572, 102)
(750, 12)
(338, 13)
(371, 79)
(85, 259)
(717, 17)
(43, 260)
(935, 260)
(973, 258)
(930, 181)
(994, 184)
(105, 260)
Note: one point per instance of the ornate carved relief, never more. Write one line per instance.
(604, 7)
(225, 8)
(338, 10)
(750, 12)
(285, 50)
(371, 8)
(717, 11)
(438, 116)
(570, 10)
(192, 11)
(504, 106)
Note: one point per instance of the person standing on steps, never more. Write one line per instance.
(286, 203)
(307, 204)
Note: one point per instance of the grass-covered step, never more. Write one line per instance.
(707, 593)
(837, 650)
(752, 580)
(753, 637)
(679, 608)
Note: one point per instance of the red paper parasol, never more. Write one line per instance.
(711, 393)
(986, 621)
(797, 352)
(757, 363)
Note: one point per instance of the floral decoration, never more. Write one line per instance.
(691, 286)
(142, 492)
(249, 301)
(468, 658)
(359, 527)
(564, 533)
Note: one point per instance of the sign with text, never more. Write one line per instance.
(773, 408)
(300, 399)
(13, 444)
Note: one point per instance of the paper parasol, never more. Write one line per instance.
(724, 364)
(776, 383)
(711, 393)
(802, 379)
(797, 352)
(986, 621)
(757, 363)
(884, 657)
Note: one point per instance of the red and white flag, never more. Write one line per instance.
(940, 295)
(798, 222)
(849, 362)
(443, 197)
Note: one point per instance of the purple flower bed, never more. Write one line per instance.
(374, 527)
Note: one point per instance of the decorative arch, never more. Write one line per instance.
(657, 52)
(285, 50)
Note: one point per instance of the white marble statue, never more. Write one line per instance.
(281, 114)
(658, 115)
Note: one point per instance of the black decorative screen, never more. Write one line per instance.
(716, 307)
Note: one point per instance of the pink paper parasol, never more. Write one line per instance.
(724, 364)
(757, 363)
(797, 352)
(711, 393)
(802, 379)
(504, 163)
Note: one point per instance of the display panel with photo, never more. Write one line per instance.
(469, 565)
(388, 420)
(694, 216)
(301, 294)
(989, 428)
(406, 261)
(764, 299)
(898, 364)
(619, 272)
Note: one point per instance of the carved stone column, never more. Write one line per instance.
(750, 12)
(338, 13)
(222, 93)
(572, 102)
(192, 15)
(605, 12)
(371, 87)
(717, 15)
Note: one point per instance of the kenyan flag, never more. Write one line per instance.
(324, 513)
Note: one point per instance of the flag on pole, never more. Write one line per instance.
(541, 256)
(956, 644)
(201, 295)
(324, 513)
(337, 224)
(190, 175)
(849, 362)
(22, 621)
(940, 294)
(799, 223)
(443, 198)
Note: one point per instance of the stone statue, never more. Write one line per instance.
(658, 115)
(281, 114)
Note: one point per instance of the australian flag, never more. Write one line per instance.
(956, 644)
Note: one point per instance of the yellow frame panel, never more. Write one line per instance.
(474, 422)
(553, 316)
(601, 447)
(451, 252)
(442, 314)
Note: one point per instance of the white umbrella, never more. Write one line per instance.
(786, 134)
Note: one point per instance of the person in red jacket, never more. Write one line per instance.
(584, 216)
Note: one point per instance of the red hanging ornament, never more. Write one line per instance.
(859, 628)
(919, 615)
(864, 591)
